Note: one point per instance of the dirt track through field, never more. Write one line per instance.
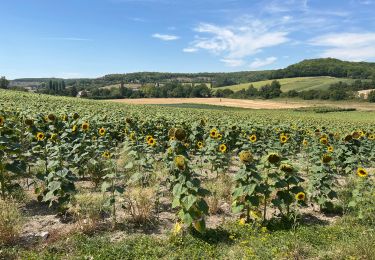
(254, 104)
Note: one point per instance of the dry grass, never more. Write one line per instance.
(141, 201)
(10, 221)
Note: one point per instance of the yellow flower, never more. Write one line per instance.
(106, 155)
(200, 144)
(305, 143)
(148, 137)
(324, 140)
(300, 196)
(242, 221)
(177, 228)
(361, 172)
(246, 156)
(330, 149)
(283, 138)
(132, 136)
(179, 161)
(85, 126)
(151, 141)
(2, 120)
(223, 148)
(64, 118)
(213, 133)
(253, 138)
(371, 137)
(356, 135)
(40, 136)
(102, 131)
(74, 128)
(53, 137)
(219, 136)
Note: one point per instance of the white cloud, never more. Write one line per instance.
(190, 50)
(258, 63)
(165, 37)
(235, 43)
(348, 46)
(233, 62)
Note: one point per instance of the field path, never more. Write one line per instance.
(244, 103)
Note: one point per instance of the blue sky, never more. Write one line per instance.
(90, 38)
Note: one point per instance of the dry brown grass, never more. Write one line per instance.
(10, 221)
(140, 201)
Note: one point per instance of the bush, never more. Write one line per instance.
(371, 96)
(10, 221)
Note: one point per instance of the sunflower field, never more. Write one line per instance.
(276, 165)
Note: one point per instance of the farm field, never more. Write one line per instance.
(298, 84)
(114, 180)
(253, 104)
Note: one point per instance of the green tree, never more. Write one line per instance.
(4, 83)
(371, 96)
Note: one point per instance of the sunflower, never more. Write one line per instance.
(128, 120)
(305, 142)
(223, 148)
(283, 138)
(213, 133)
(324, 140)
(179, 161)
(171, 132)
(336, 135)
(51, 117)
(28, 122)
(151, 141)
(361, 172)
(253, 138)
(286, 168)
(200, 144)
(330, 149)
(64, 118)
(85, 126)
(246, 156)
(2, 120)
(101, 131)
(219, 136)
(371, 137)
(172, 138)
(132, 136)
(300, 196)
(348, 138)
(356, 135)
(75, 116)
(180, 134)
(40, 136)
(106, 155)
(273, 158)
(326, 158)
(53, 137)
(74, 128)
(148, 137)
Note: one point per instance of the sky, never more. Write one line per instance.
(92, 38)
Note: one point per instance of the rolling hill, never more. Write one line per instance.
(297, 83)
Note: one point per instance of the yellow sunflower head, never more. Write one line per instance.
(40, 136)
(324, 140)
(300, 196)
(74, 128)
(85, 126)
(219, 136)
(253, 138)
(371, 136)
(330, 149)
(305, 142)
(213, 133)
(356, 135)
(180, 162)
(148, 137)
(64, 118)
(223, 148)
(361, 172)
(200, 144)
(283, 138)
(246, 157)
(101, 131)
(151, 141)
(106, 155)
